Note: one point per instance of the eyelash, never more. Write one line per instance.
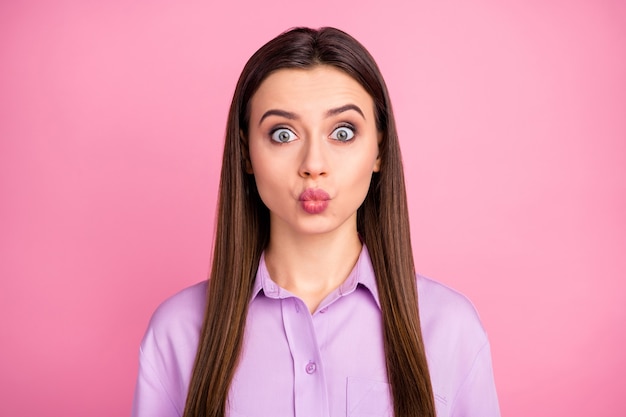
(345, 125)
(276, 129)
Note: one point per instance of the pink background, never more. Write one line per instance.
(512, 118)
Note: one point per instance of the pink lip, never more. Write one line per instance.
(314, 200)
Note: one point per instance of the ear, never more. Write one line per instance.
(376, 165)
(377, 162)
(245, 154)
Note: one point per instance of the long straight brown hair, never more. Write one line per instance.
(242, 233)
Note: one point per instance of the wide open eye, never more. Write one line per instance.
(343, 134)
(283, 135)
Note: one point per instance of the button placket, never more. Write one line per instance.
(310, 389)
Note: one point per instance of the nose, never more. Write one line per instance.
(314, 161)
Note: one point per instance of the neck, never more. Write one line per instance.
(312, 266)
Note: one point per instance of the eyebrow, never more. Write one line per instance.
(338, 110)
(294, 116)
(281, 113)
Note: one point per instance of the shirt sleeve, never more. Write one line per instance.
(477, 395)
(151, 397)
(167, 354)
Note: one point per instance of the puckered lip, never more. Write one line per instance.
(314, 194)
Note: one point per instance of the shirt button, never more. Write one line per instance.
(310, 367)
(323, 310)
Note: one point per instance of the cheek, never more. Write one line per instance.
(357, 180)
(268, 175)
(362, 168)
(266, 186)
(263, 178)
(259, 161)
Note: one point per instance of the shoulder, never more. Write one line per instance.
(456, 344)
(167, 353)
(186, 306)
(174, 330)
(445, 310)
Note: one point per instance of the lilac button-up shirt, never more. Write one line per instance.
(327, 364)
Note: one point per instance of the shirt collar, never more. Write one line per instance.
(362, 273)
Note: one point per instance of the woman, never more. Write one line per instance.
(312, 304)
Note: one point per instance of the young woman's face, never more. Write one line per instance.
(313, 146)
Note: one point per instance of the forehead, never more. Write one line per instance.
(316, 89)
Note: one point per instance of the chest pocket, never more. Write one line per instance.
(368, 398)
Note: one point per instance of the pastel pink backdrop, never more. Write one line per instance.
(512, 118)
